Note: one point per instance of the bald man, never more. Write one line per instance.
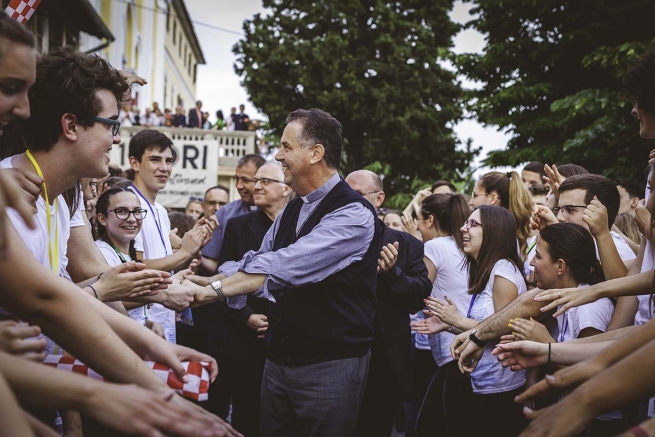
(402, 285)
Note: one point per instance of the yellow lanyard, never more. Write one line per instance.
(53, 254)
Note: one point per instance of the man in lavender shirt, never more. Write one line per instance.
(317, 265)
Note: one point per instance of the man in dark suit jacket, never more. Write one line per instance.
(244, 351)
(403, 283)
(195, 116)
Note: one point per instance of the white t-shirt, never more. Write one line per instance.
(646, 310)
(36, 240)
(489, 376)
(154, 242)
(595, 315)
(622, 247)
(452, 281)
(113, 260)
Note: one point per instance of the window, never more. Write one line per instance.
(174, 31)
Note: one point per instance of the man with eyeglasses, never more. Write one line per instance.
(592, 201)
(215, 198)
(402, 285)
(212, 318)
(244, 351)
(244, 176)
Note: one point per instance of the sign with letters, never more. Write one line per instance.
(194, 171)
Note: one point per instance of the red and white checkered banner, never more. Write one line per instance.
(22, 10)
(196, 388)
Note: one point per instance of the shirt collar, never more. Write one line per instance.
(321, 192)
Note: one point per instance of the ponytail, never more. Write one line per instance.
(450, 211)
(514, 197)
(520, 205)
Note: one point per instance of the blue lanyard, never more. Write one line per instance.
(468, 313)
(154, 216)
(565, 328)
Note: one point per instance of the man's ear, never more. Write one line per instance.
(134, 164)
(69, 126)
(318, 152)
(379, 199)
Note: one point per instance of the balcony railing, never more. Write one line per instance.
(232, 145)
(201, 156)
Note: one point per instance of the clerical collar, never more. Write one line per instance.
(321, 192)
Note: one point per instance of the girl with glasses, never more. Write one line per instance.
(494, 279)
(119, 219)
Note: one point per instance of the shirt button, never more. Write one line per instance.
(288, 359)
(279, 319)
(281, 293)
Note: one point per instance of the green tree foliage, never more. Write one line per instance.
(552, 74)
(375, 66)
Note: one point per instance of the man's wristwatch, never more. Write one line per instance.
(218, 288)
(476, 340)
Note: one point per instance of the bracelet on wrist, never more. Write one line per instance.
(94, 291)
(548, 353)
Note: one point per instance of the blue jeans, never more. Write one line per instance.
(317, 400)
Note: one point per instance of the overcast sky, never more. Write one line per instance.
(220, 88)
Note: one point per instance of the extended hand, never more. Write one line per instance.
(446, 311)
(177, 296)
(566, 298)
(129, 280)
(430, 325)
(521, 355)
(524, 329)
(21, 340)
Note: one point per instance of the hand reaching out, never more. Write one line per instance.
(521, 355)
(21, 340)
(532, 330)
(446, 311)
(429, 325)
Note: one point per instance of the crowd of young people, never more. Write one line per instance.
(541, 282)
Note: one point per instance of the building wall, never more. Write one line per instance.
(145, 46)
(179, 63)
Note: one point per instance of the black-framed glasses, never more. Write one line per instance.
(266, 181)
(468, 224)
(567, 209)
(115, 124)
(124, 214)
